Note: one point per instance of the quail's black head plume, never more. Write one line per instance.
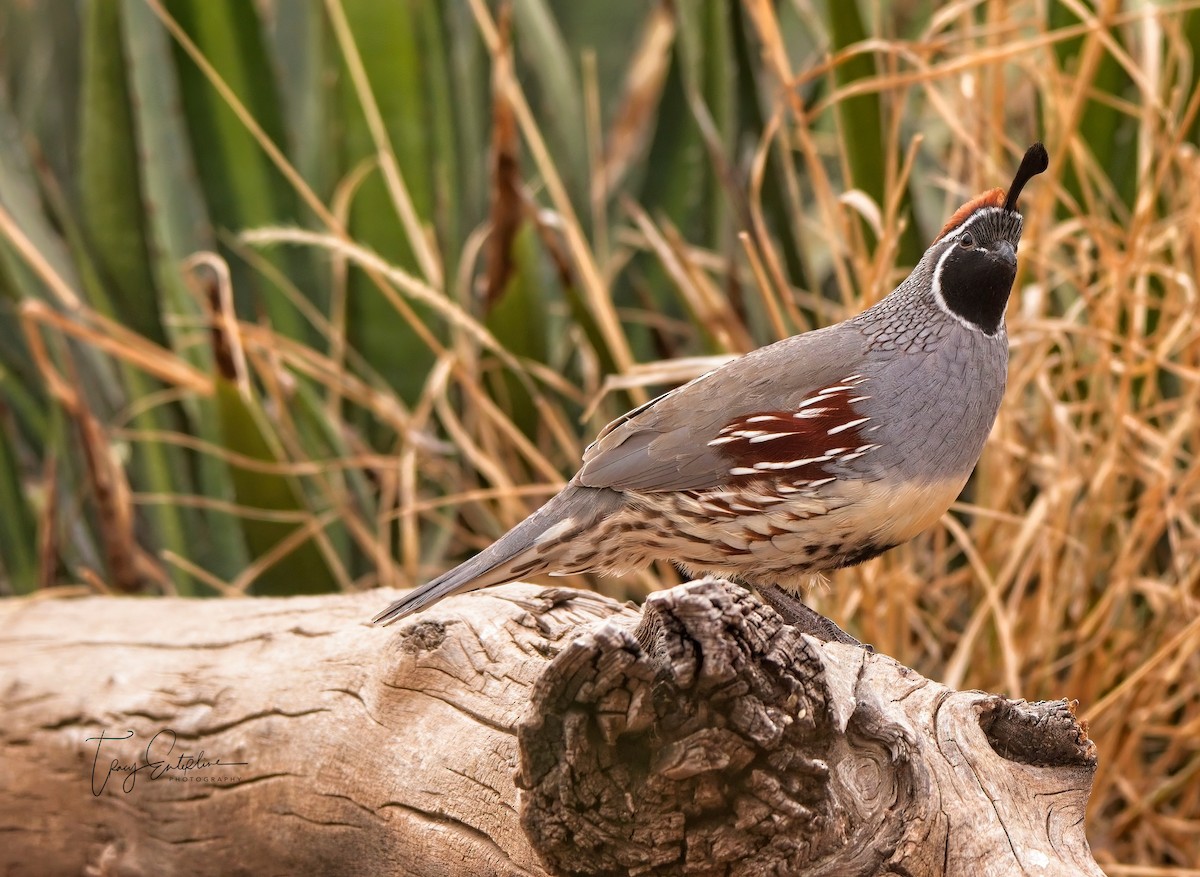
(1035, 162)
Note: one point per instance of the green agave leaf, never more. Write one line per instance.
(22, 389)
(303, 50)
(18, 524)
(176, 226)
(861, 119)
(467, 68)
(581, 316)
(110, 252)
(105, 384)
(706, 59)
(324, 437)
(303, 570)
(750, 119)
(176, 222)
(400, 69)
(74, 538)
(681, 190)
(21, 199)
(109, 185)
(443, 149)
(679, 187)
(519, 321)
(41, 51)
(544, 52)
(241, 186)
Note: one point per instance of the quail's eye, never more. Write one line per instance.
(966, 241)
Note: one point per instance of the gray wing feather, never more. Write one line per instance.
(654, 461)
(663, 445)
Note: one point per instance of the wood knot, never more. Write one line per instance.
(1044, 734)
(426, 635)
(696, 742)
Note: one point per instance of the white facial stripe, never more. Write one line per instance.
(937, 289)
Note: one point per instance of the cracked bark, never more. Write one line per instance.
(518, 730)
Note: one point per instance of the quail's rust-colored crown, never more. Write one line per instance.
(990, 198)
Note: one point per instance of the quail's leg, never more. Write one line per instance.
(795, 612)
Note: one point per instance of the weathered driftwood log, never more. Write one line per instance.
(701, 736)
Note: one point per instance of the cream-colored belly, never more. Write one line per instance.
(767, 538)
(895, 513)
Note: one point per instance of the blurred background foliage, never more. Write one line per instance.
(298, 296)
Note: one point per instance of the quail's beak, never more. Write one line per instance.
(1006, 253)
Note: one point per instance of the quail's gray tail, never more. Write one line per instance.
(526, 549)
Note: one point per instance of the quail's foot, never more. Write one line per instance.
(804, 618)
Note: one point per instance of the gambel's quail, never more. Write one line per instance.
(813, 453)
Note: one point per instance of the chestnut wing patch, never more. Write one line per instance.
(799, 445)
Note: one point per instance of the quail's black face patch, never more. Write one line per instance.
(975, 286)
(975, 272)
